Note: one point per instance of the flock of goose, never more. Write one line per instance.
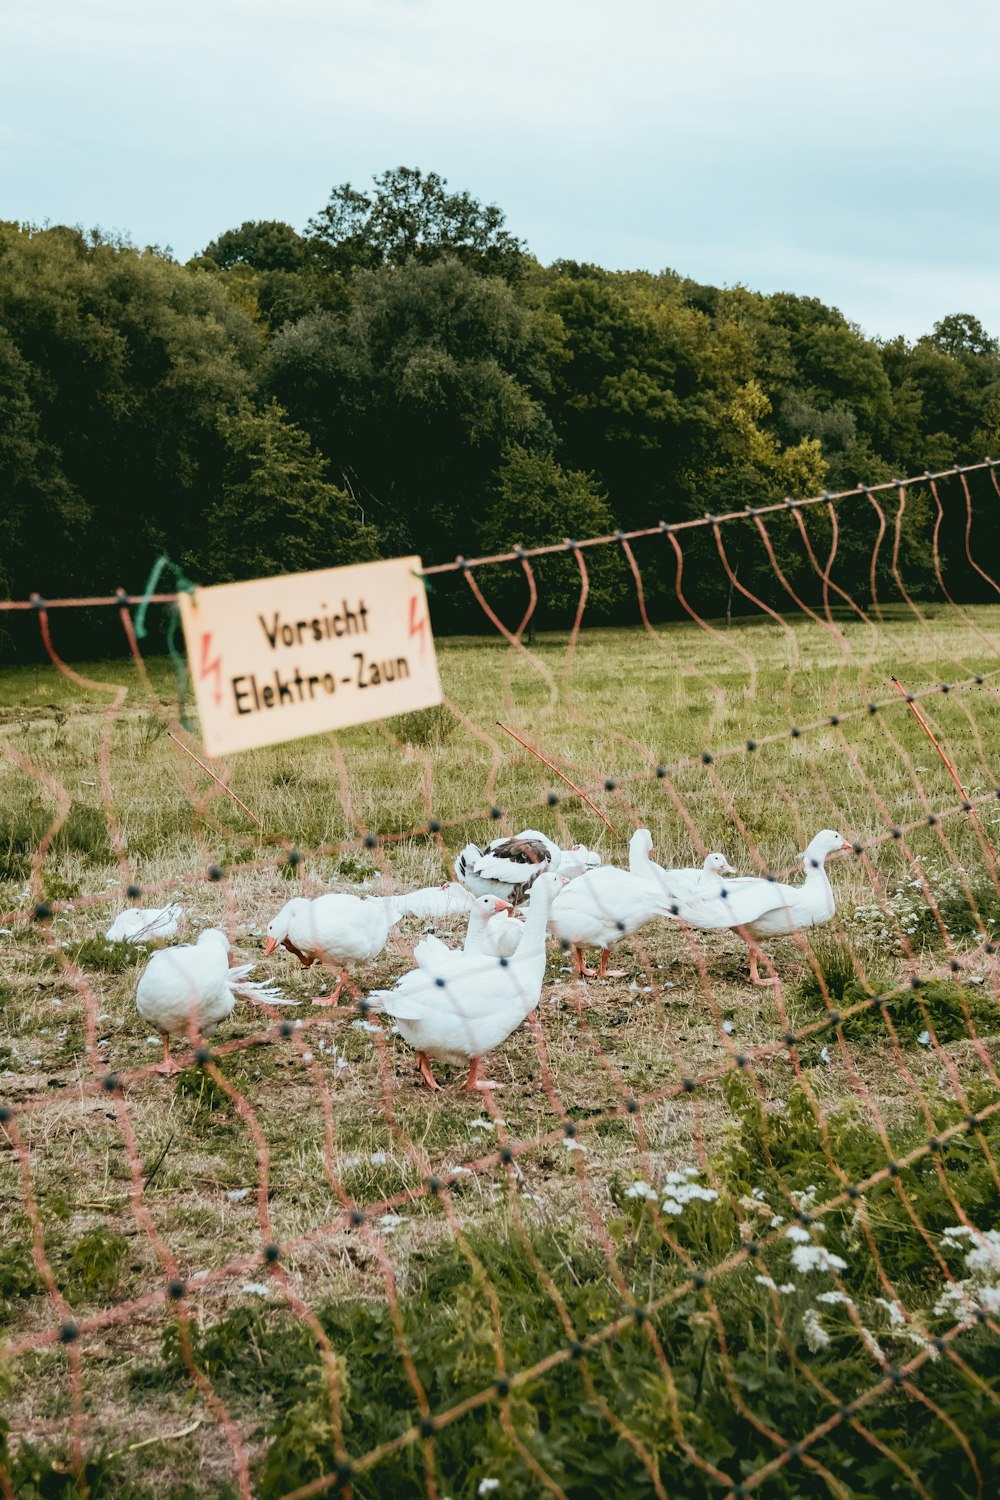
(457, 1004)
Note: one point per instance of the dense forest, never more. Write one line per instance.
(404, 376)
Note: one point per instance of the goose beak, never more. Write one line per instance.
(845, 844)
(500, 905)
(728, 870)
(270, 946)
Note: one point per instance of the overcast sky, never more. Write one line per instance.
(849, 151)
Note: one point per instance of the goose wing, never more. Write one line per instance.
(516, 859)
(732, 904)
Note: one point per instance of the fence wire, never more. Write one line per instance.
(706, 1243)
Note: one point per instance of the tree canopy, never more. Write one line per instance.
(403, 375)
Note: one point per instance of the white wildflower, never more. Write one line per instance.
(985, 1256)
(777, 1221)
(256, 1289)
(816, 1258)
(785, 1288)
(835, 1297)
(378, 1158)
(487, 1486)
(390, 1222)
(816, 1335)
(924, 1039)
(641, 1189)
(797, 1233)
(896, 1317)
(758, 1193)
(684, 1193)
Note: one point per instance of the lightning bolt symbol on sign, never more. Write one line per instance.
(213, 667)
(418, 627)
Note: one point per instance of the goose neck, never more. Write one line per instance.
(535, 924)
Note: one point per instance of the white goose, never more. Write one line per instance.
(152, 924)
(756, 908)
(448, 900)
(607, 904)
(507, 867)
(194, 986)
(464, 1004)
(689, 881)
(504, 932)
(482, 910)
(335, 929)
(577, 860)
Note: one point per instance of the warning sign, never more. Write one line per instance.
(279, 658)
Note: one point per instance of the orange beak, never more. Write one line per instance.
(270, 946)
(846, 845)
(500, 905)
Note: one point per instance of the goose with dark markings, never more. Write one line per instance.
(461, 1005)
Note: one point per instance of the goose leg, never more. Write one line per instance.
(755, 953)
(580, 967)
(604, 972)
(423, 1064)
(167, 1066)
(474, 1081)
(329, 1000)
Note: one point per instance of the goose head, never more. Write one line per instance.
(718, 864)
(277, 928)
(485, 907)
(825, 843)
(640, 851)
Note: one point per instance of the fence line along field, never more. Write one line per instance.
(705, 1239)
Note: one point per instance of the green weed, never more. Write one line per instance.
(18, 1276)
(427, 727)
(111, 958)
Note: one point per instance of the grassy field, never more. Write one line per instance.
(267, 1376)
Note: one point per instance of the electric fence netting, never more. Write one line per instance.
(703, 1238)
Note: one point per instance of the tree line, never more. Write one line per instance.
(403, 375)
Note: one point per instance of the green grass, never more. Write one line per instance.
(512, 1256)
